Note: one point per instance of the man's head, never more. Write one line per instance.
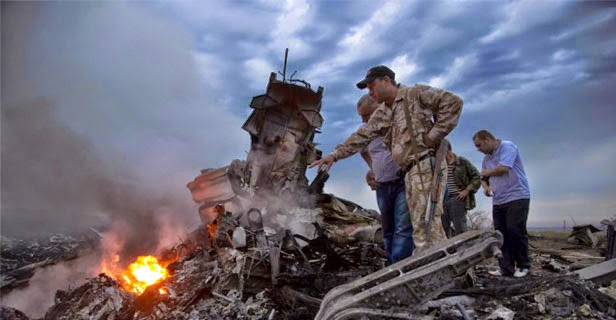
(484, 141)
(450, 155)
(381, 83)
(365, 107)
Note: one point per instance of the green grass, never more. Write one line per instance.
(564, 235)
(551, 234)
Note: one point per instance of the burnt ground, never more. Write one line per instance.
(224, 283)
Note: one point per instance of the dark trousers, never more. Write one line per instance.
(454, 210)
(510, 219)
(395, 220)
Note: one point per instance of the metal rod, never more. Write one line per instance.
(463, 311)
(284, 66)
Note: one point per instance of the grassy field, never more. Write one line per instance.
(563, 235)
(550, 234)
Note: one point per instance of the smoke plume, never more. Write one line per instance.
(104, 121)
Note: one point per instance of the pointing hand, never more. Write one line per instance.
(323, 163)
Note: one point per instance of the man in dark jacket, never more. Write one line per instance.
(463, 180)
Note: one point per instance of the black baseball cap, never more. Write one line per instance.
(375, 72)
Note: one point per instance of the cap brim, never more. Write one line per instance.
(364, 83)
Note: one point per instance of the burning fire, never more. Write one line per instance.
(142, 273)
(211, 229)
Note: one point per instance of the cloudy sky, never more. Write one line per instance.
(156, 91)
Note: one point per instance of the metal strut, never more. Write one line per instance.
(407, 284)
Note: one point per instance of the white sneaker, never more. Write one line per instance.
(520, 272)
(496, 273)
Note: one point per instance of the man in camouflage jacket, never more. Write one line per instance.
(463, 180)
(413, 121)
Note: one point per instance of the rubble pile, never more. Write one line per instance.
(544, 296)
(285, 280)
(20, 258)
(99, 298)
(212, 282)
(11, 313)
(193, 292)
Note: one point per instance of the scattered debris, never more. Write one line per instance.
(553, 265)
(20, 258)
(411, 282)
(100, 298)
(611, 290)
(501, 313)
(584, 234)
(9, 313)
(611, 238)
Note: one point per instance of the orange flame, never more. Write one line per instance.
(142, 273)
(211, 230)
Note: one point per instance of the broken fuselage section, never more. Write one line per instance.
(282, 127)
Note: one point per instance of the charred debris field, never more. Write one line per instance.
(289, 278)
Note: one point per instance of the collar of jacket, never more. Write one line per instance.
(400, 95)
(457, 160)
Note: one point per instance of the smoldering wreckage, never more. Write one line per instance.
(274, 246)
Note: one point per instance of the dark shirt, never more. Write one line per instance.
(466, 174)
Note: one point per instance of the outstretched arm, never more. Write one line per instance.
(378, 124)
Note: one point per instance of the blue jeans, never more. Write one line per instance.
(395, 219)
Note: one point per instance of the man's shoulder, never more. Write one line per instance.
(506, 145)
(423, 87)
(404, 90)
(418, 87)
(507, 142)
(463, 160)
(411, 92)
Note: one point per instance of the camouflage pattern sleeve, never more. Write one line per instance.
(378, 125)
(446, 107)
(474, 176)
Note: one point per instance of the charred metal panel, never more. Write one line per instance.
(263, 101)
(212, 186)
(602, 273)
(412, 281)
(215, 186)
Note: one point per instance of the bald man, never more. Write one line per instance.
(391, 197)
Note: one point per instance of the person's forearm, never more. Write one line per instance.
(379, 123)
(498, 171)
